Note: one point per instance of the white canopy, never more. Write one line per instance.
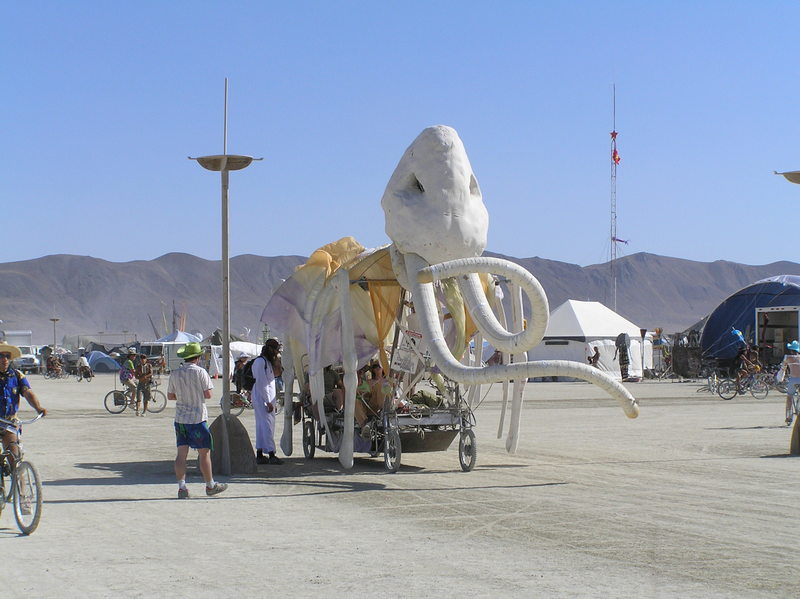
(575, 328)
(583, 321)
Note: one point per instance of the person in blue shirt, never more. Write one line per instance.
(13, 384)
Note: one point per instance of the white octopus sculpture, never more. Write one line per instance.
(438, 225)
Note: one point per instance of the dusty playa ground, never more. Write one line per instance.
(696, 498)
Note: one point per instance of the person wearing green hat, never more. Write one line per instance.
(791, 362)
(190, 387)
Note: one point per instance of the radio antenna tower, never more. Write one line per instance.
(614, 162)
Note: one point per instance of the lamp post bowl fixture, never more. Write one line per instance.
(224, 162)
(791, 176)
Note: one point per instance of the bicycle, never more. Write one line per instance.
(793, 409)
(56, 373)
(117, 401)
(84, 376)
(241, 401)
(712, 384)
(25, 487)
(758, 388)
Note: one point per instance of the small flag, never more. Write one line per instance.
(614, 154)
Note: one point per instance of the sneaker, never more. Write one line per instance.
(273, 459)
(183, 493)
(216, 489)
(788, 422)
(262, 459)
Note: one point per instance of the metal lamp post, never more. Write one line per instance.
(54, 320)
(224, 163)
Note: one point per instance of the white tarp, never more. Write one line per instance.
(575, 328)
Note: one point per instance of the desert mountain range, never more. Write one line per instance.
(91, 296)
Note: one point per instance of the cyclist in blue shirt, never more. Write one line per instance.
(13, 384)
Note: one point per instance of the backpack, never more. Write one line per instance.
(248, 379)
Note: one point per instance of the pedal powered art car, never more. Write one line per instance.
(427, 295)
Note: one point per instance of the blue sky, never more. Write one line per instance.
(104, 101)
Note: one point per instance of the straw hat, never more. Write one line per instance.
(190, 350)
(12, 349)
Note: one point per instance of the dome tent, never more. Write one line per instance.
(748, 310)
(102, 362)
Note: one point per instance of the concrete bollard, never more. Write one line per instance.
(243, 458)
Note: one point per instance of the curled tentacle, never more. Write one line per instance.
(465, 270)
(425, 302)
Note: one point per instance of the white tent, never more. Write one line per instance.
(575, 328)
(237, 348)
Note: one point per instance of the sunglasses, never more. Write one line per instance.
(5, 355)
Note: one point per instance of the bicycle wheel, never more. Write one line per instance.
(759, 389)
(115, 402)
(27, 497)
(727, 389)
(158, 401)
(237, 404)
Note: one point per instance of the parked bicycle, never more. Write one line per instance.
(712, 384)
(241, 402)
(20, 484)
(774, 383)
(117, 401)
(753, 383)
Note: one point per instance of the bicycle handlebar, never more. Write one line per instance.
(18, 423)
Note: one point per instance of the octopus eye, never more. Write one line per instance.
(473, 185)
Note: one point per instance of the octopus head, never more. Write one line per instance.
(432, 203)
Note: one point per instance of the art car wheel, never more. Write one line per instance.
(392, 452)
(467, 450)
(309, 447)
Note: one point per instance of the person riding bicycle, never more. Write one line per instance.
(54, 364)
(127, 373)
(13, 384)
(749, 364)
(84, 370)
(791, 362)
